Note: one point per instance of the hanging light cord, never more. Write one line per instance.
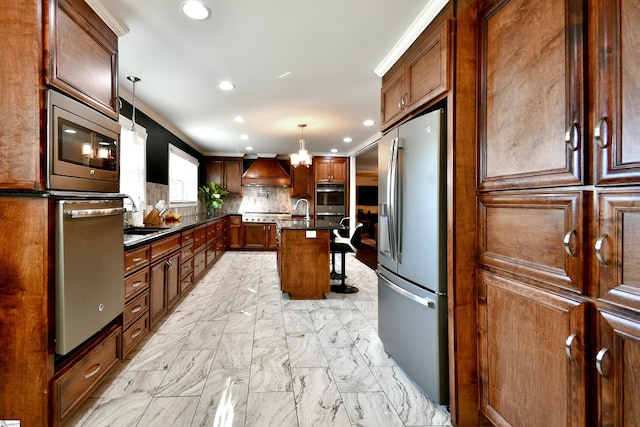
(133, 80)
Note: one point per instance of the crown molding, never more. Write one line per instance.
(423, 20)
(116, 24)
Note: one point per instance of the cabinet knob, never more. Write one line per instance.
(601, 366)
(568, 344)
(601, 133)
(572, 137)
(598, 249)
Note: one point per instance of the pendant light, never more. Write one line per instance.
(133, 80)
(302, 157)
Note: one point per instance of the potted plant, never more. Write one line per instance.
(211, 193)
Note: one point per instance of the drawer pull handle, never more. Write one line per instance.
(137, 284)
(136, 333)
(96, 369)
(572, 137)
(136, 309)
(137, 259)
(568, 344)
(598, 249)
(568, 248)
(601, 133)
(599, 360)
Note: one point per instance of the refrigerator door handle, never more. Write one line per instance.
(392, 182)
(420, 300)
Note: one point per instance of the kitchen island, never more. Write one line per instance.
(303, 257)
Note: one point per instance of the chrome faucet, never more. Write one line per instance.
(134, 208)
(306, 217)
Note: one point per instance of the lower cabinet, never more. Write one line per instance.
(165, 286)
(83, 372)
(235, 232)
(259, 236)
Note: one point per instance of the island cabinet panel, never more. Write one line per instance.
(304, 263)
(83, 55)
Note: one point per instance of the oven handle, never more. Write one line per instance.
(89, 213)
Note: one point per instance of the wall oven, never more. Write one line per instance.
(330, 203)
(82, 147)
(89, 267)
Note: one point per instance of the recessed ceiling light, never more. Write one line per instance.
(334, 150)
(249, 148)
(195, 10)
(244, 136)
(368, 122)
(226, 85)
(238, 119)
(70, 131)
(283, 75)
(347, 139)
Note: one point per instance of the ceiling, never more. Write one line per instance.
(291, 61)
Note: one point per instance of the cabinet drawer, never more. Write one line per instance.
(81, 376)
(187, 237)
(211, 231)
(135, 308)
(237, 219)
(187, 251)
(136, 283)
(199, 237)
(164, 246)
(199, 262)
(186, 267)
(134, 334)
(186, 283)
(136, 258)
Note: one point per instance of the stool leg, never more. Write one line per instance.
(343, 288)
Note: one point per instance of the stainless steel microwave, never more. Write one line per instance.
(83, 151)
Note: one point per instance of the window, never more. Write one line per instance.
(133, 175)
(183, 178)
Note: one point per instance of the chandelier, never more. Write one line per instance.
(302, 157)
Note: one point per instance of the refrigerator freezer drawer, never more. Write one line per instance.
(412, 325)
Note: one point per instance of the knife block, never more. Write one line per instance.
(153, 218)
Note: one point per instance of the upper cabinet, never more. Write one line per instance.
(82, 55)
(421, 76)
(330, 169)
(227, 172)
(301, 182)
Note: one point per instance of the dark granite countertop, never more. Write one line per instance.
(301, 224)
(134, 236)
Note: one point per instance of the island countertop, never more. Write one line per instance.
(301, 224)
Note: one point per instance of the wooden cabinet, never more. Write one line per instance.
(82, 56)
(227, 172)
(164, 276)
(186, 262)
(301, 182)
(235, 232)
(135, 317)
(563, 250)
(421, 76)
(259, 236)
(84, 372)
(331, 169)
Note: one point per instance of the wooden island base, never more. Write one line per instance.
(303, 262)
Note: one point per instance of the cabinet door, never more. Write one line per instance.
(300, 182)
(391, 97)
(531, 101)
(158, 292)
(215, 171)
(322, 167)
(172, 272)
(427, 74)
(233, 177)
(532, 366)
(254, 236)
(235, 232)
(617, 92)
(617, 249)
(616, 363)
(84, 55)
(339, 169)
(271, 236)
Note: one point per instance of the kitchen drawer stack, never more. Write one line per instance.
(199, 250)
(135, 318)
(186, 262)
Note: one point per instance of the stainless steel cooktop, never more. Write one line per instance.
(264, 216)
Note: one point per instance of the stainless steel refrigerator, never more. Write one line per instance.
(412, 251)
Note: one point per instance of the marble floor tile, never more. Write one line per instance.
(237, 352)
(277, 409)
(318, 401)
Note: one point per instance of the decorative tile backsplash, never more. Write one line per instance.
(255, 199)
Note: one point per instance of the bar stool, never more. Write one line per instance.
(343, 232)
(343, 245)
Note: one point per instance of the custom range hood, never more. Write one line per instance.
(265, 172)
